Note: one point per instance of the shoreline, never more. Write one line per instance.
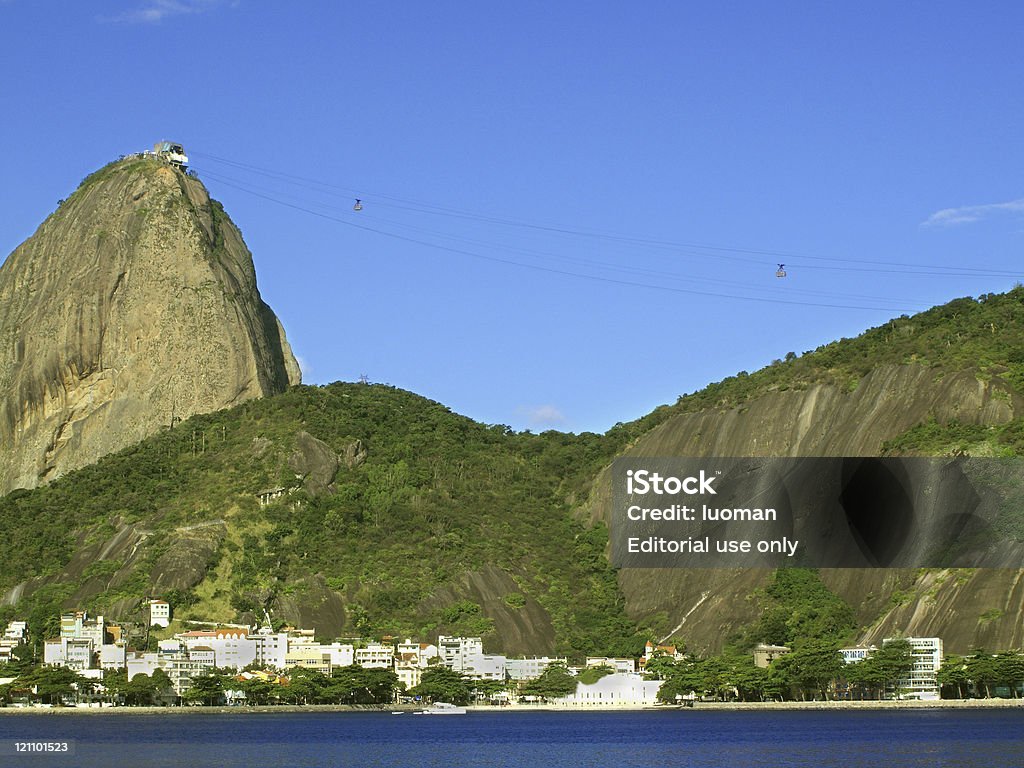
(707, 706)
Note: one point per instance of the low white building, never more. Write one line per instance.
(620, 689)
(340, 654)
(375, 656)
(72, 652)
(113, 656)
(179, 666)
(529, 669)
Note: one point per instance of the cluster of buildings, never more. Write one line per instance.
(920, 682)
(89, 645)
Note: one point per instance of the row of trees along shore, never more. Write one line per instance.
(813, 671)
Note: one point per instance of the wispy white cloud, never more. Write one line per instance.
(966, 214)
(543, 415)
(156, 11)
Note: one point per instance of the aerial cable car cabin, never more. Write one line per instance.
(781, 271)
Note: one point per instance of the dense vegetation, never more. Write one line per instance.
(438, 495)
(966, 333)
(798, 611)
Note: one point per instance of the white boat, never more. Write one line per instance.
(443, 708)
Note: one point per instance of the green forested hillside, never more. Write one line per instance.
(986, 333)
(437, 495)
(431, 522)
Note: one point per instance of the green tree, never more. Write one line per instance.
(307, 686)
(52, 684)
(206, 689)
(983, 670)
(360, 685)
(1009, 670)
(953, 675)
(442, 684)
(659, 667)
(554, 683)
(258, 691)
(812, 666)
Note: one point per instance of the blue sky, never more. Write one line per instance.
(572, 211)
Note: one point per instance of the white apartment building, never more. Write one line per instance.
(271, 647)
(341, 654)
(78, 625)
(233, 647)
(921, 684)
(454, 650)
(16, 631)
(72, 652)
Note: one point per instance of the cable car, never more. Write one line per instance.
(358, 206)
(781, 271)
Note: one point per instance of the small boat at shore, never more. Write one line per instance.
(442, 708)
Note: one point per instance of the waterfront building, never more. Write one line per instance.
(179, 666)
(620, 689)
(307, 656)
(484, 666)
(920, 682)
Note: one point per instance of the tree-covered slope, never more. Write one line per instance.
(387, 514)
(384, 513)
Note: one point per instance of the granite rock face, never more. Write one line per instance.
(133, 305)
(704, 606)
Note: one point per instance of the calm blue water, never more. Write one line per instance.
(908, 739)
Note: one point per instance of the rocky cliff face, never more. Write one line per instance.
(133, 305)
(703, 607)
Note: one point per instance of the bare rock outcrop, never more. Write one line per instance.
(705, 606)
(132, 306)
